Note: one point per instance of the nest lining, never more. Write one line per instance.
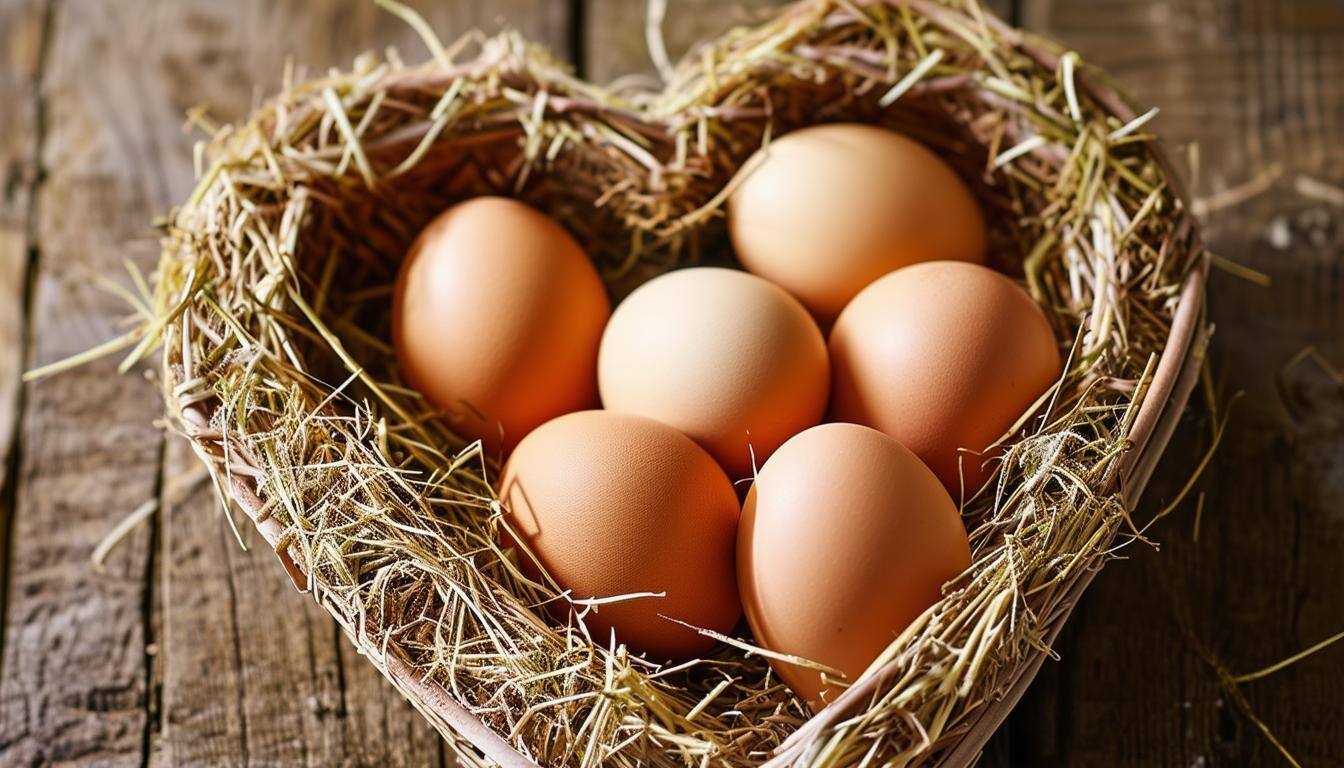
(271, 304)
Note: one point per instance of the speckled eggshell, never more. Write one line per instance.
(724, 356)
(846, 537)
(496, 319)
(616, 504)
(942, 356)
(828, 209)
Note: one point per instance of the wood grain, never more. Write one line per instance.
(1259, 86)
(615, 44)
(73, 675)
(21, 28)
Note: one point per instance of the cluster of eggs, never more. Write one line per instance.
(865, 305)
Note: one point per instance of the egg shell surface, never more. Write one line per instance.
(942, 356)
(618, 504)
(724, 356)
(845, 538)
(496, 319)
(825, 210)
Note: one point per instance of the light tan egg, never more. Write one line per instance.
(726, 357)
(496, 319)
(616, 504)
(828, 209)
(845, 538)
(942, 356)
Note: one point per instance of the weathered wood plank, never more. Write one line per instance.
(254, 671)
(21, 36)
(21, 26)
(13, 269)
(202, 717)
(1260, 87)
(615, 44)
(379, 727)
(73, 675)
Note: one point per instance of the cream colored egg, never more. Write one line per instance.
(727, 358)
(826, 210)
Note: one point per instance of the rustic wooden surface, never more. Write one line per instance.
(187, 650)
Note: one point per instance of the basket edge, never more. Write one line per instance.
(1175, 387)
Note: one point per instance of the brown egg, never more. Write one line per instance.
(831, 208)
(942, 356)
(496, 319)
(846, 537)
(724, 356)
(616, 504)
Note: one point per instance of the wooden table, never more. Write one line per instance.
(187, 650)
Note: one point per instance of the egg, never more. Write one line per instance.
(825, 210)
(496, 319)
(942, 356)
(729, 359)
(845, 538)
(616, 504)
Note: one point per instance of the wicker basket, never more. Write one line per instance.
(327, 183)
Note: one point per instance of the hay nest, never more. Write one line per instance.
(271, 307)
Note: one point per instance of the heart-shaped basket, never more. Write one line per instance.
(273, 296)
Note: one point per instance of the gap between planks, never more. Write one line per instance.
(32, 250)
